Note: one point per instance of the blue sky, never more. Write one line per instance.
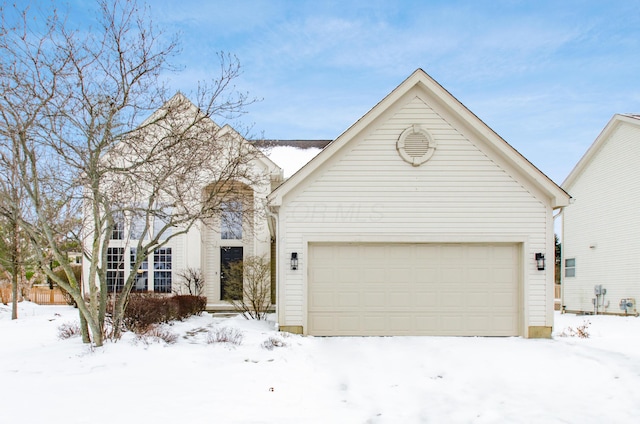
(545, 75)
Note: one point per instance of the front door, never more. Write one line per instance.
(229, 256)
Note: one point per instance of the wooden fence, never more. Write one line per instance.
(46, 296)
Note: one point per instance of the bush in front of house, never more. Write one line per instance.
(145, 310)
(157, 334)
(189, 305)
(68, 330)
(249, 287)
(227, 335)
(273, 342)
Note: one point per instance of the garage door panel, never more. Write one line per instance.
(451, 299)
(504, 325)
(504, 300)
(322, 323)
(398, 275)
(348, 323)
(347, 275)
(347, 300)
(477, 253)
(322, 276)
(374, 275)
(452, 324)
(375, 300)
(428, 323)
(413, 289)
(451, 275)
(322, 299)
(451, 251)
(478, 300)
(427, 300)
(400, 323)
(476, 323)
(502, 275)
(400, 299)
(323, 252)
(425, 276)
(478, 275)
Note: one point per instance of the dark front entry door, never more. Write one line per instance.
(228, 256)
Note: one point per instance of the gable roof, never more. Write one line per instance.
(183, 104)
(420, 78)
(616, 120)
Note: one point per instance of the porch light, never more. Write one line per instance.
(540, 261)
(294, 260)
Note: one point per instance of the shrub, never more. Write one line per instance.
(225, 335)
(249, 287)
(145, 310)
(156, 333)
(189, 305)
(68, 330)
(273, 342)
(581, 331)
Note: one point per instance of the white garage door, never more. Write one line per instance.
(414, 289)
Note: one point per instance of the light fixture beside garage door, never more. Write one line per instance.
(540, 261)
(415, 145)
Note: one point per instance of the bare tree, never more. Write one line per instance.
(11, 244)
(192, 281)
(87, 150)
(249, 288)
(26, 86)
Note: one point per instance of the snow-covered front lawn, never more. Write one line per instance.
(315, 380)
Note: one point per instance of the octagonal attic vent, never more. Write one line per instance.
(415, 145)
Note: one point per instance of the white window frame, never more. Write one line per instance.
(570, 269)
(231, 220)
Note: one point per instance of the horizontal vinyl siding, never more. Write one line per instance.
(605, 215)
(370, 190)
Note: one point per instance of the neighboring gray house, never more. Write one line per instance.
(601, 229)
(417, 220)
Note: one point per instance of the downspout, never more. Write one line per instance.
(275, 230)
(561, 214)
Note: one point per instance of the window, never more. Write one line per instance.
(117, 232)
(115, 269)
(162, 270)
(137, 225)
(231, 220)
(142, 275)
(160, 221)
(570, 267)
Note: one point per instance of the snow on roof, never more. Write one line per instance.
(290, 158)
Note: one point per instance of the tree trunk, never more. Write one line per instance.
(14, 293)
(84, 328)
(118, 312)
(15, 258)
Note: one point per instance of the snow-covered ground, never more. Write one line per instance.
(316, 380)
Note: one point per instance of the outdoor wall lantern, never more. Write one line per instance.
(540, 261)
(294, 260)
